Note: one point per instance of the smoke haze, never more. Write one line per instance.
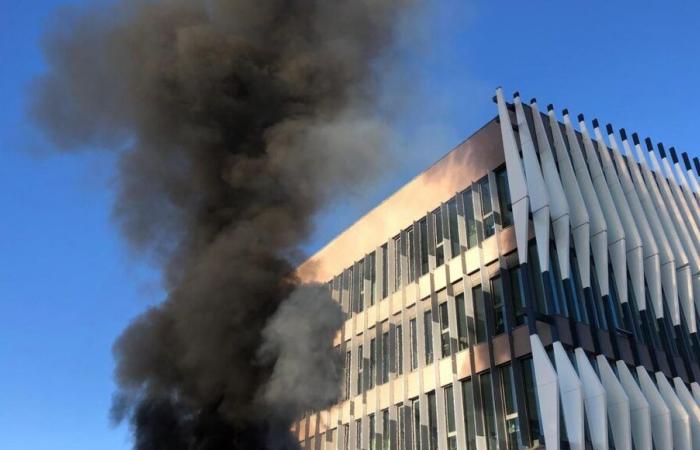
(235, 122)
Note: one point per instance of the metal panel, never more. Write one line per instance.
(639, 409)
(578, 213)
(691, 408)
(599, 228)
(571, 397)
(539, 200)
(594, 401)
(516, 179)
(660, 414)
(680, 422)
(616, 233)
(618, 405)
(547, 386)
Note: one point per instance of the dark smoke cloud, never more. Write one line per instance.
(236, 122)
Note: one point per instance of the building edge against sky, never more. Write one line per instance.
(536, 287)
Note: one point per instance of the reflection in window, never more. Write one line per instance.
(432, 421)
(372, 362)
(397, 263)
(498, 306)
(487, 208)
(511, 410)
(439, 249)
(479, 314)
(386, 434)
(415, 407)
(531, 402)
(450, 413)
(517, 291)
(385, 358)
(469, 218)
(413, 331)
(399, 349)
(385, 271)
(469, 413)
(372, 267)
(504, 197)
(411, 255)
(428, 325)
(358, 434)
(372, 432)
(453, 226)
(423, 239)
(444, 330)
(489, 411)
(360, 369)
(401, 422)
(462, 338)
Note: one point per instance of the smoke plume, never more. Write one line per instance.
(235, 122)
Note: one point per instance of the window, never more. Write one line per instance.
(428, 324)
(453, 226)
(385, 271)
(432, 421)
(312, 443)
(415, 407)
(504, 197)
(462, 339)
(486, 208)
(479, 314)
(346, 436)
(348, 362)
(511, 410)
(401, 438)
(360, 367)
(450, 416)
(439, 250)
(386, 433)
(517, 292)
(536, 279)
(531, 401)
(397, 263)
(411, 255)
(372, 362)
(413, 331)
(399, 349)
(385, 358)
(347, 297)
(371, 263)
(469, 413)
(360, 286)
(489, 411)
(358, 434)
(372, 433)
(469, 218)
(423, 239)
(444, 330)
(499, 316)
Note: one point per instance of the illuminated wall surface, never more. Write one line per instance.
(536, 287)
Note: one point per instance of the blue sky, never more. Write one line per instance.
(68, 286)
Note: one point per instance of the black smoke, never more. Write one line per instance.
(235, 122)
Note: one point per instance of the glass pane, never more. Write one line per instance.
(486, 207)
(450, 409)
(360, 367)
(453, 225)
(372, 432)
(423, 237)
(489, 411)
(432, 421)
(372, 362)
(461, 322)
(516, 289)
(386, 435)
(489, 226)
(428, 324)
(479, 314)
(385, 357)
(469, 218)
(498, 306)
(385, 271)
(469, 417)
(531, 401)
(444, 330)
(411, 255)
(439, 249)
(414, 344)
(504, 198)
(397, 263)
(416, 424)
(399, 349)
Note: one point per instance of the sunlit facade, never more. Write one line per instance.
(536, 287)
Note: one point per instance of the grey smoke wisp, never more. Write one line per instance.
(235, 122)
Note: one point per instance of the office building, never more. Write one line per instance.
(536, 287)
